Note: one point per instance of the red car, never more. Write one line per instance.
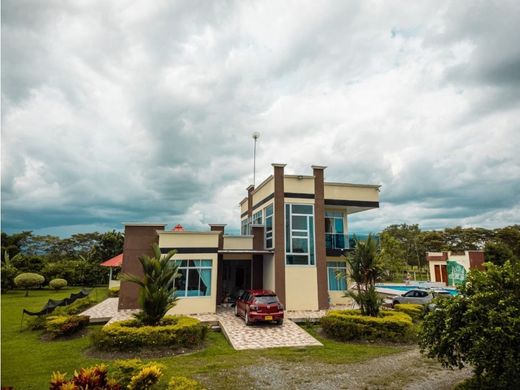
(259, 305)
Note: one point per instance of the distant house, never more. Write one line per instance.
(294, 234)
(113, 263)
(451, 267)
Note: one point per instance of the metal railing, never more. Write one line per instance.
(336, 241)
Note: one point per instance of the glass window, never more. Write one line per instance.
(269, 226)
(299, 234)
(335, 230)
(257, 218)
(245, 227)
(194, 278)
(337, 276)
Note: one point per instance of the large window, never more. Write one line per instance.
(335, 237)
(337, 275)
(194, 278)
(299, 234)
(269, 226)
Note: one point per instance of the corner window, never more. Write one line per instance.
(245, 227)
(194, 278)
(337, 276)
(257, 218)
(299, 234)
(335, 237)
(269, 226)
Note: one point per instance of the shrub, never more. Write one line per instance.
(65, 325)
(113, 292)
(413, 310)
(87, 378)
(122, 371)
(29, 280)
(183, 383)
(131, 334)
(480, 327)
(58, 284)
(351, 325)
(146, 378)
(78, 306)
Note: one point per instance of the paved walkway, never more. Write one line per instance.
(258, 336)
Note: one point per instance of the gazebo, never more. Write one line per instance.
(114, 262)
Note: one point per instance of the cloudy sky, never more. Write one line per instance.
(119, 111)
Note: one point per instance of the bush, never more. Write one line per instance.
(413, 310)
(146, 378)
(122, 371)
(113, 292)
(29, 280)
(8, 272)
(480, 327)
(58, 284)
(351, 325)
(87, 378)
(78, 306)
(183, 383)
(65, 325)
(131, 334)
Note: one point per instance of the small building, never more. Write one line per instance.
(451, 267)
(294, 233)
(114, 264)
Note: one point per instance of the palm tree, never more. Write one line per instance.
(156, 287)
(365, 269)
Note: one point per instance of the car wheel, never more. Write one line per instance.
(248, 321)
(280, 322)
(395, 303)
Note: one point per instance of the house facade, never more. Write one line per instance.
(451, 267)
(294, 232)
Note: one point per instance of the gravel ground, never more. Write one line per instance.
(407, 370)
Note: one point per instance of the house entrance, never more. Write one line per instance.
(236, 277)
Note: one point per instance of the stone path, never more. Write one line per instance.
(103, 311)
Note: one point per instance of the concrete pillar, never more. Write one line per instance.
(220, 265)
(278, 231)
(319, 245)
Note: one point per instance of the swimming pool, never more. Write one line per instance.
(401, 288)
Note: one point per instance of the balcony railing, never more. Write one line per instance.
(336, 241)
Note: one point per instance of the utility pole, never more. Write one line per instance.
(256, 135)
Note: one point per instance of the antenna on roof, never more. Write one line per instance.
(256, 135)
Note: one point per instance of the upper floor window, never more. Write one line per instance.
(269, 226)
(257, 218)
(245, 227)
(299, 234)
(335, 237)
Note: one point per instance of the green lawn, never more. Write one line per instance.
(27, 362)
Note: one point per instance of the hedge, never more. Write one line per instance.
(351, 325)
(173, 331)
(413, 310)
(57, 284)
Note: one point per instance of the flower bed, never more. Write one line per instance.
(351, 325)
(173, 331)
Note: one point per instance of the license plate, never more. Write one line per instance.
(268, 318)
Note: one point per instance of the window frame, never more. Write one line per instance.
(310, 234)
(342, 267)
(269, 235)
(188, 268)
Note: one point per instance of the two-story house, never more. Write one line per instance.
(294, 231)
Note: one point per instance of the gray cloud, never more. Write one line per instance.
(119, 111)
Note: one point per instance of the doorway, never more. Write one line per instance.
(236, 277)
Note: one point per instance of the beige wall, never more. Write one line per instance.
(268, 264)
(263, 207)
(238, 242)
(299, 201)
(263, 191)
(305, 185)
(188, 239)
(301, 288)
(350, 192)
(461, 259)
(243, 207)
(194, 305)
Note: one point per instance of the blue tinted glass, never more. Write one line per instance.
(287, 228)
(205, 263)
(301, 209)
(299, 245)
(269, 210)
(311, 237)
(299, 222)
(338, 224)
(297, 260)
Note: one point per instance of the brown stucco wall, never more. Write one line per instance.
(319, 223)
(138, 242)
(278, 231)
(476, 260)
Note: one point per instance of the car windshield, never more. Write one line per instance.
(266, 299)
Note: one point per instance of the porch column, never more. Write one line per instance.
(319, 226)
(278, 231)
(220, 264)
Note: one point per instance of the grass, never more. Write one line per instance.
(27, 362)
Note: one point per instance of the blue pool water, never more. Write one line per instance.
(399, 288)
